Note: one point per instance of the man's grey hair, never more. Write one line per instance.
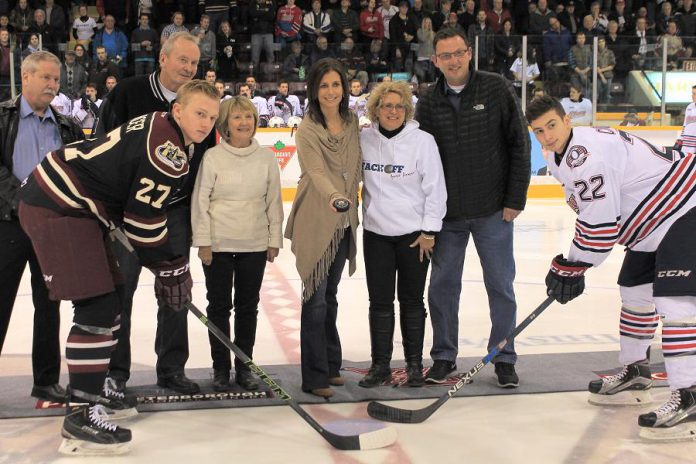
(168, 45)
(31, 62)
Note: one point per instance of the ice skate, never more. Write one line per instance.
(86, 432)
(118, 405)
(673, 421)
(630, 387)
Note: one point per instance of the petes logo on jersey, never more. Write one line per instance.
(576, 157)
(170, 154)
(169, 159)
(573, 203)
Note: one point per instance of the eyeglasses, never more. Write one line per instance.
(389, 107)
(449, 56)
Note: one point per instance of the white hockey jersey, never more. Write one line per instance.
(688, 139)
(624, 190)
(580, 112)
(689, 114)
(284, 111)
(261, 107)
(358, 105)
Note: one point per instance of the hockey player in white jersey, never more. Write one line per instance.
(284, 105)
(629, 192)
(357, 100)
(260, 104)
(689, 118)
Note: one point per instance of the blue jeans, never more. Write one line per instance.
(493, 240)
(319, 340)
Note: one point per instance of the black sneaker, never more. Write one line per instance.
(87, 432)
(180, 384)
(377, 375)
(440, 371)
(118, 404)
(53, 393)
(507, 377)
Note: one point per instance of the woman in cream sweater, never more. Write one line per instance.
(237, 217)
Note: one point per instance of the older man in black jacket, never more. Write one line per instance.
(29, 129)
(483, 141)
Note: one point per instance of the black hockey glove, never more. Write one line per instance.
(173, 283)
(566, 279)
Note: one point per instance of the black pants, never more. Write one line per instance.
(15, 252)
(387, 258)
(171, 339)
(319, 340)
(244, 273)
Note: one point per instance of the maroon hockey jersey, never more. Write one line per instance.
(125, 178)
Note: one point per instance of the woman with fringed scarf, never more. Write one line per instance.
(323, 238)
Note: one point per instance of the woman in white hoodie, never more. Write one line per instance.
(404, 201)
(237, 217)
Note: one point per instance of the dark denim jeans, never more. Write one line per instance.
(493, 239)
(319, 340)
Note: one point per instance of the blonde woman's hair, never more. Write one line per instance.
(400, 88)
(229, 106)
(196, 86)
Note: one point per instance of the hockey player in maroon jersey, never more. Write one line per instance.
(71, 203)
(629, 192)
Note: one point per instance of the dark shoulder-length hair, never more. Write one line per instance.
(316, 74)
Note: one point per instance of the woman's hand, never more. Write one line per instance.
(426, 244)
(205, 253)
(335, 197)
(271, 254)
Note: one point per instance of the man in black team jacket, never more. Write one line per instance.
(133, 97)
(483, 141)
(70, 205)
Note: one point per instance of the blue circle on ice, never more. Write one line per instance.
(353, 426)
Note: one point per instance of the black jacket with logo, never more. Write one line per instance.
(485, 147)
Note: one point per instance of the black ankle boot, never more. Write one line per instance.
(221, 380)
(414, 374)
(246, 380)
(377, 375)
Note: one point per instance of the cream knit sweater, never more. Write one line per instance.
(237, 204)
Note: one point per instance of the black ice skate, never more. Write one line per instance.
(630, 387)
(673, 421)
(86, 432)
(118, 405)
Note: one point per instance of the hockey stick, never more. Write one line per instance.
(415, 416)
(364, 441)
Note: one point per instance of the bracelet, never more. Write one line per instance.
(427, 237)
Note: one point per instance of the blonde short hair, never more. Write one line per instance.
(30, 64)
(400, 88)
(196, 86)
(169, 44)
(229, 106)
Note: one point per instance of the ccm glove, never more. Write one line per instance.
(173, 283)
(566, 279)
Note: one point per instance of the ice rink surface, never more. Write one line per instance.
(549, 428)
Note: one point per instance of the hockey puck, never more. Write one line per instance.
(341, 205)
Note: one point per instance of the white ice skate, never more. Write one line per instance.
(673, 421)
(630, 387)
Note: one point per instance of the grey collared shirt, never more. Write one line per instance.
(36, 137)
